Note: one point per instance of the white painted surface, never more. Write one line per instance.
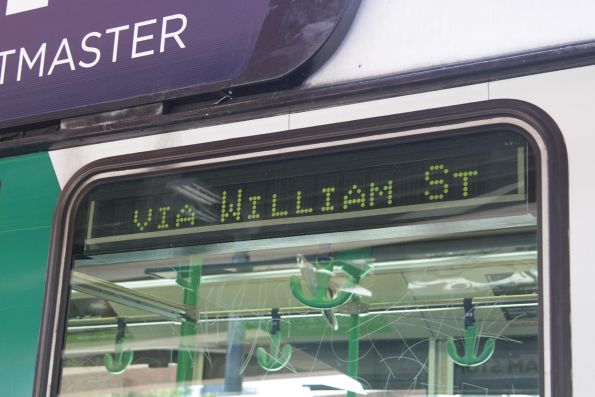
(67, 161)
(396, 36)
(569, 97)
(383, 107)
(17, 6)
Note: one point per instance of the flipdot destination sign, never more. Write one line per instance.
(68, 57)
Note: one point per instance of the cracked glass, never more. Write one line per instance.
(399, 268)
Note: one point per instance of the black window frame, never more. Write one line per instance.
(551, 173)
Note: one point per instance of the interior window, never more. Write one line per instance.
(401, 268)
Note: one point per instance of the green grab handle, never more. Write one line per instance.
(320, 300)
(121, 360)
(278, 358)
(471, 344)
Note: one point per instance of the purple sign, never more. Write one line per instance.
(66, 57)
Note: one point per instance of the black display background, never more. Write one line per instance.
(493, 155)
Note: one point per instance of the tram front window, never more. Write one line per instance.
(395, 268)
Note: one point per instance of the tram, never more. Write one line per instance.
(316, 198)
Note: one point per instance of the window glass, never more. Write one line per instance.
(407, 267)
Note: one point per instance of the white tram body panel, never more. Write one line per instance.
(389, 37)
(568, 96)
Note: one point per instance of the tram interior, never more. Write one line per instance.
(435, 294)
(410, 304)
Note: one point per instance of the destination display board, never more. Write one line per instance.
(386, 185)
(69, 57)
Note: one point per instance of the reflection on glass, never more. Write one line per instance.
(439, 298)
